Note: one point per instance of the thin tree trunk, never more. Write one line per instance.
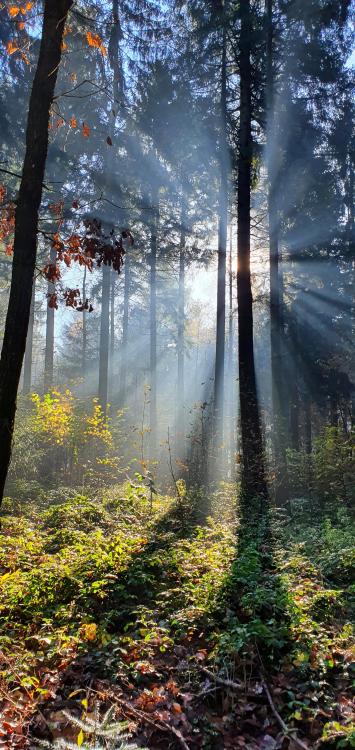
(253, 476)
(112, 327)
(125, 323)
(84, 336)
(222, 250)
(308, 423)
(104, 336)
(114, 55)
(27, 369)
(49, 350)
(26, 222)
(231, 414)
(181, 331)
(153, 330)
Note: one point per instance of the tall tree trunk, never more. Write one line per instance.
(26, 222)
(222, 248)
(126, 296)
(231, 414)
(181, 331)
(278, 394)
(49, 350)
(307, 423)
(153, 329)
(84, 332)
(112, 327)
(253, 476)
(114, 55)
(27, 369)
(104, 336)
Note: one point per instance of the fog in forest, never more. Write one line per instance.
(177, 264)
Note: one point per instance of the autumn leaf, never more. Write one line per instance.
(94, 40)
(11, 48)
(80, 738)
(85, 130)
(14, 11)
(109, 141)
(73, 122)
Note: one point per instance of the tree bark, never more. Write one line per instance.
(49, 350)
(125, 323)
(112, 326)
(253, 476)
(153, 330)
(181, 331)
(104, 336)
(278, 395)
(114, 55)
(84, 332)
(231, 378)
(26, 222)
(222, 249)
(27, 369)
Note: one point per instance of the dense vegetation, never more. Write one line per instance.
(177, 396)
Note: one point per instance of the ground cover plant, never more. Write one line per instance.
(107, 603)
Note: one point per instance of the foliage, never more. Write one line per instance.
(128, 590)
(64, 436)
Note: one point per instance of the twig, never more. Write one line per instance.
(162, 726)
(179, 737)
(291, 733)
(221, 681)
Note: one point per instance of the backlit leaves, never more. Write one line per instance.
(94, 40)
(85, 130)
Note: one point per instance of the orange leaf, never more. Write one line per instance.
(21, 25)
(11, 48)
(94, 40)
(28, 6)
(176, 708)
(73, 122)
(85, 130)
(14, 11)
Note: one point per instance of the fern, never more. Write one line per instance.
(113, 733)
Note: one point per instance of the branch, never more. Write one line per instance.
(19, 176)
(280, 720)
(221, 681)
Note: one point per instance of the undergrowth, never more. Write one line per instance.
(151, 601)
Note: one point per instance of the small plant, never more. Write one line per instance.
(103, 734)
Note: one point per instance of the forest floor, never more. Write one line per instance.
(121, 616)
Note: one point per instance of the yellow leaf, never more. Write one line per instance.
(84, 703)
(80, 738)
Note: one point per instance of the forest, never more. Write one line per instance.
(177, 380)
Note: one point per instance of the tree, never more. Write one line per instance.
(26, 221)
(253, 475)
